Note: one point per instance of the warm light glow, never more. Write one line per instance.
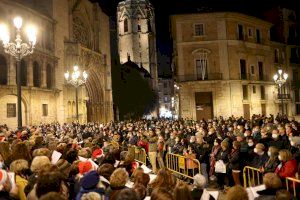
(67, 75)
(85, 75)
(285, 76)
(163, 112)
(31, 34)
(75, 68)
(4, 34)
(18, 22)
(275, 77)
(279, 71)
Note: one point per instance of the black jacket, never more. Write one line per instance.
(259, 160)
(223, 155)
(234, 160)
(271, 165)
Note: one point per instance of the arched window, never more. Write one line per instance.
(49, 78)
(36, 74)
(149, 26)
(3, 70)
(125, 25)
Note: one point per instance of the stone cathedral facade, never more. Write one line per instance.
(137, 35)
(70, 32)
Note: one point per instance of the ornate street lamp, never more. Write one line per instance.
(77, 79)
(18, 50)
(280, 79)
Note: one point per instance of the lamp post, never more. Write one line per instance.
(280, 79)
(18, 50)
(77, 79)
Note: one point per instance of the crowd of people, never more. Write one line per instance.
(94, 161)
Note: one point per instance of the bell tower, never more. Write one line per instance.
(136, 35)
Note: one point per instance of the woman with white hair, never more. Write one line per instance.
(198, 186)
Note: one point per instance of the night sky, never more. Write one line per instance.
(165, 8)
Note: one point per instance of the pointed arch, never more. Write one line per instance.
(125, 25)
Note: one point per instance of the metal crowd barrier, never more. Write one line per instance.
(178, 164)
(294, 181)
(252, 175)
(139, 154)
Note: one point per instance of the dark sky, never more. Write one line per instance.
(165, 8)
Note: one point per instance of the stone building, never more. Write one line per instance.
(224, 65)
(137, 35)
(69, 33)
(165, 93)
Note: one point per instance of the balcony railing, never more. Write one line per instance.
(284, 96)
(252, 77)
(195, 77)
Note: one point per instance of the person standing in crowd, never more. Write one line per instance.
(160, 151)
(215, 151)
(191, 165)
(288, 166)
(234, 164)
(223, 156)
(182, 191)
(152, 140)
(260, 157)
(201, 150)
(277, 141)
(178, 147)
(273, 161)
(170, 142)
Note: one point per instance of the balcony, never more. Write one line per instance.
(252, 77)
(195, 77)
(284, 96)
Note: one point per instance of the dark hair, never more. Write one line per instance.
(141, 178)
(71, 156)
(161, 194)
(106, 170)
(283, 195)
(141, 191)
(127, 194)
(48, 182)
(51, 196)
(20, 151)
(182, 191)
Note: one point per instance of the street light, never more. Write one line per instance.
(77, 79)
(280, 80)
(18, 50)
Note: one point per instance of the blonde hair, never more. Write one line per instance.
(38, 163)
(237, 193)
(274, 151)
(18, 166)
(119, 177)
(91, 196)
(285, 155)
(272, 181)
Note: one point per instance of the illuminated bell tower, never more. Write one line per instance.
(136, 35)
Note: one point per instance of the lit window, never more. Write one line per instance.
(199, 29)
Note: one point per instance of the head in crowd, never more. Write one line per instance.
(119, 178)
(182, 191)
(106, 170)
(164, 179)
(237, 193)
(142, 178)
(273, 152)
(199, 181)
(285, 155)
(52, 195)
(127, 194)
(48, 182)
(161, 194)
(38, 163)
(259, 149)
(283, 195)
(92, 196)
(141, 191)
(272, 181)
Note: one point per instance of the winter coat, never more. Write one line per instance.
(152, 144)
(287, 169)
(234, 160)
(21, 184)
(190, 164)
(259, 160)
(271, 165)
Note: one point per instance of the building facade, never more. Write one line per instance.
(166, 95)
(137, 35)
(224, 65)
(69, 33)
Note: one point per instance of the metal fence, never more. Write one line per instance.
(295, 184)
(252, 176)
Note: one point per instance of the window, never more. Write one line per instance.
(3, 70)
(297, 109)
(295, 75)
(49, 76)
(250, 33)
(262, 93)
(165, 85)
(125, 25)
(276, 56)
(139, 28)
(45, 109)
(245, 92)
(260, 71)
(252, 69)
(240, 32)
(36, 75)
(243, 69)
(258, 36)
(201, 66)
(254, 89)
(165, 99)
(11, 110)
(199, 29)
